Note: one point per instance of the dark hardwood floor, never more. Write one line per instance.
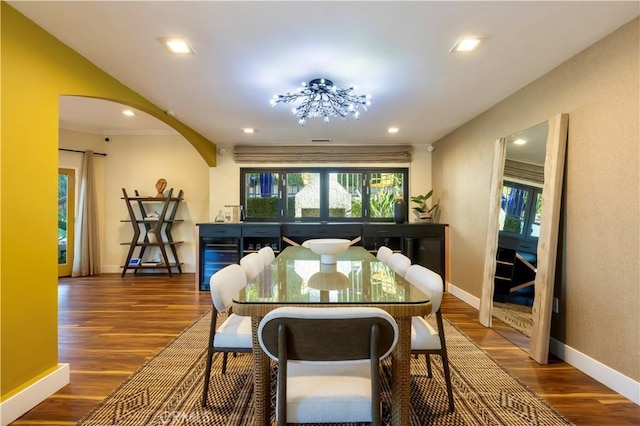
(109, 326)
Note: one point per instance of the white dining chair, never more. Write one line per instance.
(234, 334)
(267, 255)
(252, 264)
(333, 376)
(399, 263)
(384, 253)
(424, 339)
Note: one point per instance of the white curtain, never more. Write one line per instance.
(86, 256)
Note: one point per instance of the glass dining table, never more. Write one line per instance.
(297, 278)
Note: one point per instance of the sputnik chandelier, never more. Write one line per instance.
(320, 98)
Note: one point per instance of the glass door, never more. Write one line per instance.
(66, 209)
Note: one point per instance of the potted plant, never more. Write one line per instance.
(423, 211)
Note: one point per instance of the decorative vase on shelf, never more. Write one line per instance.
(400, 210)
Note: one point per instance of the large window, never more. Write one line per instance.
(521, 207)
(322, 194)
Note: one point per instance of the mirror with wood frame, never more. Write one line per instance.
(519, 228)
(545, 225)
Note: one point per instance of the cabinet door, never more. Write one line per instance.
(428, 252)
(425, 245)
(219, 247)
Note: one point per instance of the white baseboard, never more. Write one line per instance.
(606, 375)
(18, 404)
(609, 377)
(468, 298)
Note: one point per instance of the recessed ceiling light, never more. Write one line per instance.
(128, 113)
(249, 130)
(466, 44)
(179, 45)
(519, 142)
(393, 130)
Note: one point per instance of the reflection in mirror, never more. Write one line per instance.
(519, 227)
(518, 216)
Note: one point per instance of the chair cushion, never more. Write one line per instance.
(423, 336)
(234, 332)
(328, 392)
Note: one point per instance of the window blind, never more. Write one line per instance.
(322, 154)
(525, 171)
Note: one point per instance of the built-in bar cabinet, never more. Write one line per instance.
(221, 244)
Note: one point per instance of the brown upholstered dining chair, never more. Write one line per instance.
(234, 334)
(424, 339)
(330, 376)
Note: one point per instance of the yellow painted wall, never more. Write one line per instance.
(35, 69)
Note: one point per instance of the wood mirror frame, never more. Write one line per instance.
(547, 241)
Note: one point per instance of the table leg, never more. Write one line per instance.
(261, 380)
(401, 371)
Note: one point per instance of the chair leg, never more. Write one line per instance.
(445, 359)
(447, 378)
(212, 332)
(207, 374)
(428, 361)
(224, 362)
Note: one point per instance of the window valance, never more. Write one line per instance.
(322, 154)
(524, 171)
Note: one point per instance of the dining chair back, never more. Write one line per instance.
(234, 334)
(267, 255)
(424, 338)
(384, 253)
(399, 263)
(342, 362)
(252, 264)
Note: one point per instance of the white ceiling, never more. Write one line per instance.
(247, 51)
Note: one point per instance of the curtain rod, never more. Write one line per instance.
(81, 152)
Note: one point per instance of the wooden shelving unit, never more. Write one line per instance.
(152, 220)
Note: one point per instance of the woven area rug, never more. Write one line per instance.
(518, 317)
(167, 390)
